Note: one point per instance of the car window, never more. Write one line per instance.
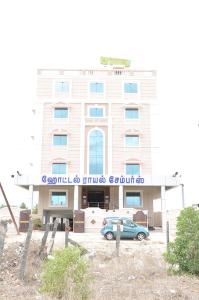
(127, 222)
(115, 221)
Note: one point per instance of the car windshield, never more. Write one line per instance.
(127, 222)
(114, 221)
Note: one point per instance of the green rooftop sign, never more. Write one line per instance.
(115, 61)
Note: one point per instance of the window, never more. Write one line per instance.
(130, 87)
(132, 199)
(59, 139)
(132, 140)
(59, 168)
(61, 87)
(96, 112)
(59, 199)
(96, 159)
(132, 169)
(96, 87)
(61, 113)
(127, 222)
(131, 113)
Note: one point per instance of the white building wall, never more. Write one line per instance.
(79, 122)
(113, 124)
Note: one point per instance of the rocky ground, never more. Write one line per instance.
(138, 273)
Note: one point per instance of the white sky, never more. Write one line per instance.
(155, 34)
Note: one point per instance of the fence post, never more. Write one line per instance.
(25, 252)
(66, 232)
(44, 239)
(118, 239)
(167, 232)
(53, 236)
(3, 229)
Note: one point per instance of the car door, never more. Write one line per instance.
(129, 229)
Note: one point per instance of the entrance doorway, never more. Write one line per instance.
(49, 216)
(95, 199)
(96, 196)
(62, 224)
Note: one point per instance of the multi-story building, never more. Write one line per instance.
(96, 144)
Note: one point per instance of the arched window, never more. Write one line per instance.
(96, 152)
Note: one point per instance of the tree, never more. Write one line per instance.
(184, 251)
(23, 206)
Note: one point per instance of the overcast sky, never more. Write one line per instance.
(160, 35)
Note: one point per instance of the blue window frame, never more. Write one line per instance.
(132, 140)
(59, 139)
(59, 199)
(130, 87)
(96, 112)
(96, 159)
(59, 168)
(61, 113)
(96, 87)
(133, 199)
(61, 87)
(132, 169)
(131, 113)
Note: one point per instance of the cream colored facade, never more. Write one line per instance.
(113, 102)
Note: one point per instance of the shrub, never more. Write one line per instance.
(183, 253)
(35, 210)
(66, 275)
(37, 223)
(23, 206)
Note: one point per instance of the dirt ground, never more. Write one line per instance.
(138, 273)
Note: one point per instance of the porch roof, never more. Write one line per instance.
(67, 180)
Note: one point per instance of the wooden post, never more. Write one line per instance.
(44, 239)
(9, 208)
(82, 249)
(167, 230)
(118, 239)
(2, 237)
(53, 236)
(25, 252)
(66, 232)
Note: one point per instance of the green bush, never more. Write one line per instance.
(23, 206)
(183, 253)
(35, 210)
(66, 275)
(37, 223)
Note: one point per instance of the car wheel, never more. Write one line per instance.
(109, 236)
(141, 236)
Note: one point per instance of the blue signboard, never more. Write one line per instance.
(92, 180)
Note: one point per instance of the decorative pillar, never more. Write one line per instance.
(163, 199)
(76, 194)
(121, 197)
(82, 139)
(109, 140)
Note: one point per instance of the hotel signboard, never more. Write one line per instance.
(92, 180)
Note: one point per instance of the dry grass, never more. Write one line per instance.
(11, 287)
(138, 274)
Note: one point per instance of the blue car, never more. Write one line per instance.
(128, 229)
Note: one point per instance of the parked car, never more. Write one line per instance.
(128, 229)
